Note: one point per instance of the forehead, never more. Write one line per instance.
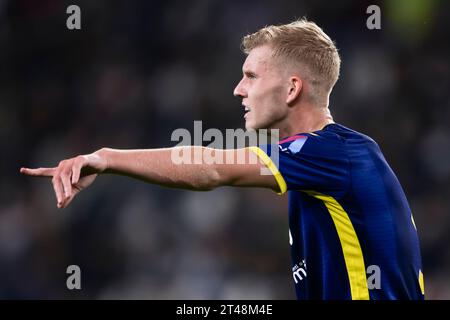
(259, 59)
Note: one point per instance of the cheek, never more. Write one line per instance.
(273, 101)
(263, 95)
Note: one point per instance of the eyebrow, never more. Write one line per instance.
(248, 73)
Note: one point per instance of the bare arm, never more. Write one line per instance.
(157, 166)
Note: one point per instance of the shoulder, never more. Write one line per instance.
(328, 138)
(334, 140)
(336, 133)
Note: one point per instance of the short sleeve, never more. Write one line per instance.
(307, 162)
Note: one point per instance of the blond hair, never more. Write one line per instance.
(302, 42)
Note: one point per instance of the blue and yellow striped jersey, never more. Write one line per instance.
(351, 231)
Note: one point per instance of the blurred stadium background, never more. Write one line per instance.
(136, 71)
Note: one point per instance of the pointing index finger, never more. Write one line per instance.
(39, 172)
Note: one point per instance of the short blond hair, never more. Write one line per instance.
(302, 42)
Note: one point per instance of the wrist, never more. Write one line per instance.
(103, 156)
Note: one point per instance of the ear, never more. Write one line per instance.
(294, 88)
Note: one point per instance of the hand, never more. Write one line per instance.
(71, 175)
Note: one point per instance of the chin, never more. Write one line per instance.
(254, 127)
(251, 127)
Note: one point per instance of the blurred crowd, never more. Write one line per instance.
(136, 71)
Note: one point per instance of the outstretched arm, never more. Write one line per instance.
(157, 166)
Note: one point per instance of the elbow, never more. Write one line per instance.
(208, 181)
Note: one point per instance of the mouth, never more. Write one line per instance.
(246, 111)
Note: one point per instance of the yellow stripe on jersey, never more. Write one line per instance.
(351, 248)
(272, 167)
(421, 282)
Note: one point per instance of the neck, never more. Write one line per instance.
(305, 119)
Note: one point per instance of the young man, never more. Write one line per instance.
(348, 214)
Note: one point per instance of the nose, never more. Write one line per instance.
(239, 90)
